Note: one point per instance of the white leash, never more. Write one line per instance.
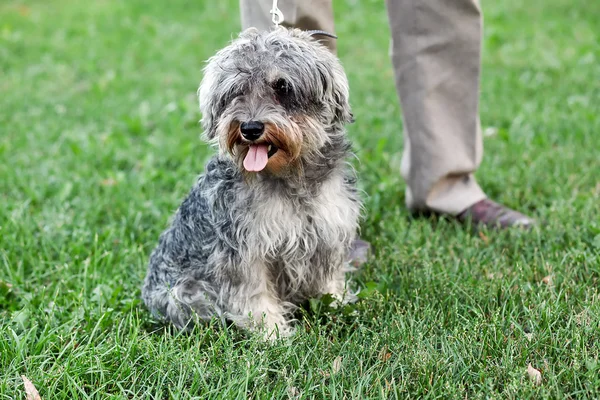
(277, 14)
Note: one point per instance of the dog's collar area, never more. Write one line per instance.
(321, 33)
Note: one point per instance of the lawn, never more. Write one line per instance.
(99, 143)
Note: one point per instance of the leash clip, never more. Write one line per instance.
(277, 14)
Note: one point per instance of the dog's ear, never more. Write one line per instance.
(341, 94)
(208, 104)
(336, 91)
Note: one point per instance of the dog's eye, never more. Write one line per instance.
(282, 87)
(236, 94)
(229, 97)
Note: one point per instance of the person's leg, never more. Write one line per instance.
(436, 57)
(436, 52)
(303, 14)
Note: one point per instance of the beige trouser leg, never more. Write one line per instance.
(436, 50)
(436, 57)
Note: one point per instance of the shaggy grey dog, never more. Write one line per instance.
(271, 221)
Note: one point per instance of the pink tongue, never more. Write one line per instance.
(257, 157)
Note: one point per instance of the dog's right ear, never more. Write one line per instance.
(208, 106)
(335, 90)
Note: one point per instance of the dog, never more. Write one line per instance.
(272, 220)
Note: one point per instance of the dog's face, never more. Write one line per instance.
(273, 99)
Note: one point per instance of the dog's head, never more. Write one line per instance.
(273, 99)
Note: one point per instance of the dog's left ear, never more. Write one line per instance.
(336, 91)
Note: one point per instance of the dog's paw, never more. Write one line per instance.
(343, 298)
(276, 333)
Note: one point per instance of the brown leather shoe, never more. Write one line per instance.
(493, 215)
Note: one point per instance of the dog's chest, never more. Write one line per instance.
(285, 227)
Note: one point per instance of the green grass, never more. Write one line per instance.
(99, 142)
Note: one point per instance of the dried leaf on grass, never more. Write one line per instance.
(23, 10)
(30, 390)
(384, 354)
(337, 365)
(5, 284)
(293, 392)
(534, 374)
(484, 237)
(108, 182)
(529, 336)
(584, 318)
(495, 275)
(548, 280)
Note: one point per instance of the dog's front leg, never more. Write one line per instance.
(268, 316)
(255, 306)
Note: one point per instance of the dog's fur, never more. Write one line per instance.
(250, 246)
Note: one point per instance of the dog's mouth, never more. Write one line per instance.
(258, 156)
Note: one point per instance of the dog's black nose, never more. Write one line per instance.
(252, 130)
